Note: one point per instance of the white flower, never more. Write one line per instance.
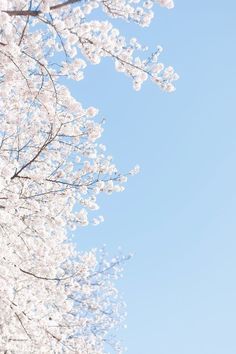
(135, 170)
(92, 112)
(169, 4)
(82, 217)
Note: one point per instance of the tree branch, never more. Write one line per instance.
(36, 13)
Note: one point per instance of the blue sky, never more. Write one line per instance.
(178, 214)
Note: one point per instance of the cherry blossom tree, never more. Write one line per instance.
(55, 299)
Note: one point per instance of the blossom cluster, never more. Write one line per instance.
(53, 168)
(70, 32)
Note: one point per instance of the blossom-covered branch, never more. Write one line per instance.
(53, 167)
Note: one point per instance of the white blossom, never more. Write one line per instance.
(55, 299)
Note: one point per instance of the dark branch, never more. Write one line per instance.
(36, 13)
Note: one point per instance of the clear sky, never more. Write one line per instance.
(178, 214)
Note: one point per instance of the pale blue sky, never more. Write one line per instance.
(178, 215)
